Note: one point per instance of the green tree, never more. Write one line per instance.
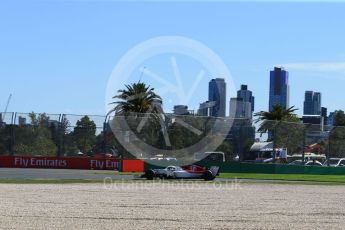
(337, 141)
(36, 138)
(339, 118)
(227, 149)
(337, 136)
(290, 135)
(5, 139)
(178, 128)
(283, 127)
(84, 134)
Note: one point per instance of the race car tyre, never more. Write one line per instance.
(150, 174)
(162, 177)
(208, 176)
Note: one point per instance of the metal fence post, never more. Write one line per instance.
(59, 135)
(329, 145)
(12, 136)
(274, 142)
(306, 126)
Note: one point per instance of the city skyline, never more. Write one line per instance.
(217, 89)
(60, 53)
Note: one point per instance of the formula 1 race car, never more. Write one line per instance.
(183, 172)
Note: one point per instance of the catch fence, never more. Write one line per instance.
(157, 136)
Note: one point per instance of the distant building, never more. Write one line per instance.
(316, 135)
(54, 124)
(316, 131)
(313, 119)
(206, 108)
(324, 115)
(2, 124)
(217, 93)
(312, 103)
(181, 110)
(331, 118)
(279, 88)
(242, 106)
(21, 121)
(246, 95)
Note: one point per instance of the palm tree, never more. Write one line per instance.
(278, 114)
(339, 118)
(137, 98)
(281, 124)
(140, 108)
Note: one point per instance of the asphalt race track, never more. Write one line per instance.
(97, 175)
(66, 174)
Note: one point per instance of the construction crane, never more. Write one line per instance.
(8, 102)
(142, 73)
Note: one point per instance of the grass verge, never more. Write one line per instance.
(339, 179)
(118, 173)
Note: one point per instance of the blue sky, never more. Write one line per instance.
(58, 56)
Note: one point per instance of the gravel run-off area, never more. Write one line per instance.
(185, 205)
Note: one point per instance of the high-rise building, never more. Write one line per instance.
(246, 95)
(217, 93)
(240, 108)
(312, 103)
(308, 102)
(279, 88)
(243, 105)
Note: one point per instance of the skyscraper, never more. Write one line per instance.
(279, 88)
(312, 103)
(240, 108)
(243, 105)
(246, 95)
(217, 93)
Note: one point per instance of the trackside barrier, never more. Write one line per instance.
(236, 167)
(60, 162)
(132, 166)
(72, 163)
(140, 166)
